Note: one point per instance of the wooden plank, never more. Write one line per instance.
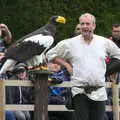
(17, 83)
(57, 108)
(50, 107)
(115, 91)
(29, 83)
(19, 107)
(2, 100)
(31, 107)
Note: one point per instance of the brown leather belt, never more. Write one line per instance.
(89, 89)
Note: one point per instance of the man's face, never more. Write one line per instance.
(78, 30)
(54, 67)
(116, 33)
(22, 75)
(87, 27)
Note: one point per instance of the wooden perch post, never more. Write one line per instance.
(41, 95)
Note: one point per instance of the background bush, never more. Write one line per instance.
(24, 16)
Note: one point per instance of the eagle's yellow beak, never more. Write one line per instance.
(61, 19)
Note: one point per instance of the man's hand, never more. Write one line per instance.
(112, 77)
(3, 27)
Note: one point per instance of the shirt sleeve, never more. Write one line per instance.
(112, 49)
(60, 50)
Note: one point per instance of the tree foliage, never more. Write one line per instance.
(23, 16)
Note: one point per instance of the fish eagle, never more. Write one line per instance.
(32, 44)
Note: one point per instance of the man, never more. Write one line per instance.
(5, 41)
(5, 36)
(57, 95)
(87, 53)
(115, 37)
(77, 30)
(20, 94)
(116, 34)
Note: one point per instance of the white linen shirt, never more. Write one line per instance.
(88, 61)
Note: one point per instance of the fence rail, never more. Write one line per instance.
(3, 106)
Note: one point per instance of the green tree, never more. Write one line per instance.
(23, 16)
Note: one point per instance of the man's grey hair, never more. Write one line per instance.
(88, 14)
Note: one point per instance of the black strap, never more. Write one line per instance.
(88, 89)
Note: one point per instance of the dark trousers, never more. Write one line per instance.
(87, 109)
(60, 115)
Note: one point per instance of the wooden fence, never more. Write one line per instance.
(3, 106)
